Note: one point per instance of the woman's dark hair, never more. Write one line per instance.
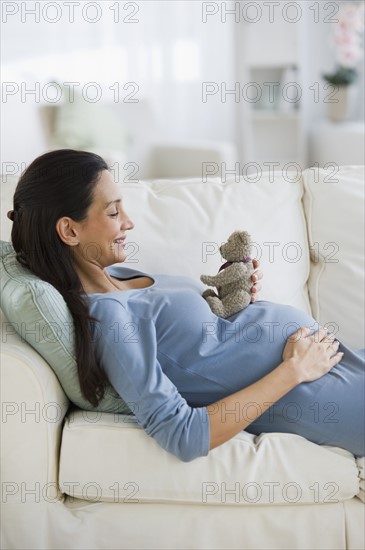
(56, 184)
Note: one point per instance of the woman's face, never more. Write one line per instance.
(102, 235)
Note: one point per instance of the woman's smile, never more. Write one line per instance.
(120, 240)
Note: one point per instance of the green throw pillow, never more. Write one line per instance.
(41, 317)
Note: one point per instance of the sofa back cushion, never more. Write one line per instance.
(180, 225)
(334, 207)
(7, 190)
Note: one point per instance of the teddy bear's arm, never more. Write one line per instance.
(227, 275)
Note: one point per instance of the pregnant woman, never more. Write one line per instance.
(192, 379)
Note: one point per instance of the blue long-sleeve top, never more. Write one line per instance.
(137, 330)
(168, 356)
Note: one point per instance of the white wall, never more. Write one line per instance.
(143, 52)
(167, 53)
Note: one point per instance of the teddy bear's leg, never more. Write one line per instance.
(216, 306)
(209, 292)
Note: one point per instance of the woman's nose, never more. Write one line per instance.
(127, 223)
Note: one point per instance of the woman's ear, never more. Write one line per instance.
(67, 231)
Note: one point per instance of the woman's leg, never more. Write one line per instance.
(332, 413)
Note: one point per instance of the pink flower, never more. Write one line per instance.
(346, 38)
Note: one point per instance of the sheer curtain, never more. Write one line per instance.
(158, 52)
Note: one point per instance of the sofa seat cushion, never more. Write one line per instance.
(108, 457)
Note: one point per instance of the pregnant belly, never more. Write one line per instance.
(238, 351)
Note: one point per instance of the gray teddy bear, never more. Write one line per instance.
(233, 281)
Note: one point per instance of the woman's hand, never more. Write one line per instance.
(255, 278)
(311, 356)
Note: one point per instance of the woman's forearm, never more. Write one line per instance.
(229, 416)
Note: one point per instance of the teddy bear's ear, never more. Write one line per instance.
(243, 235)
(234, 235)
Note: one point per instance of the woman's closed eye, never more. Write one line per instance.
(114, 215)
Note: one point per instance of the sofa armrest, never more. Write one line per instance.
(33, 410)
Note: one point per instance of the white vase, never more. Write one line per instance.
(344, 103)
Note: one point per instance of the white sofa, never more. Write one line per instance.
(86, 480)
